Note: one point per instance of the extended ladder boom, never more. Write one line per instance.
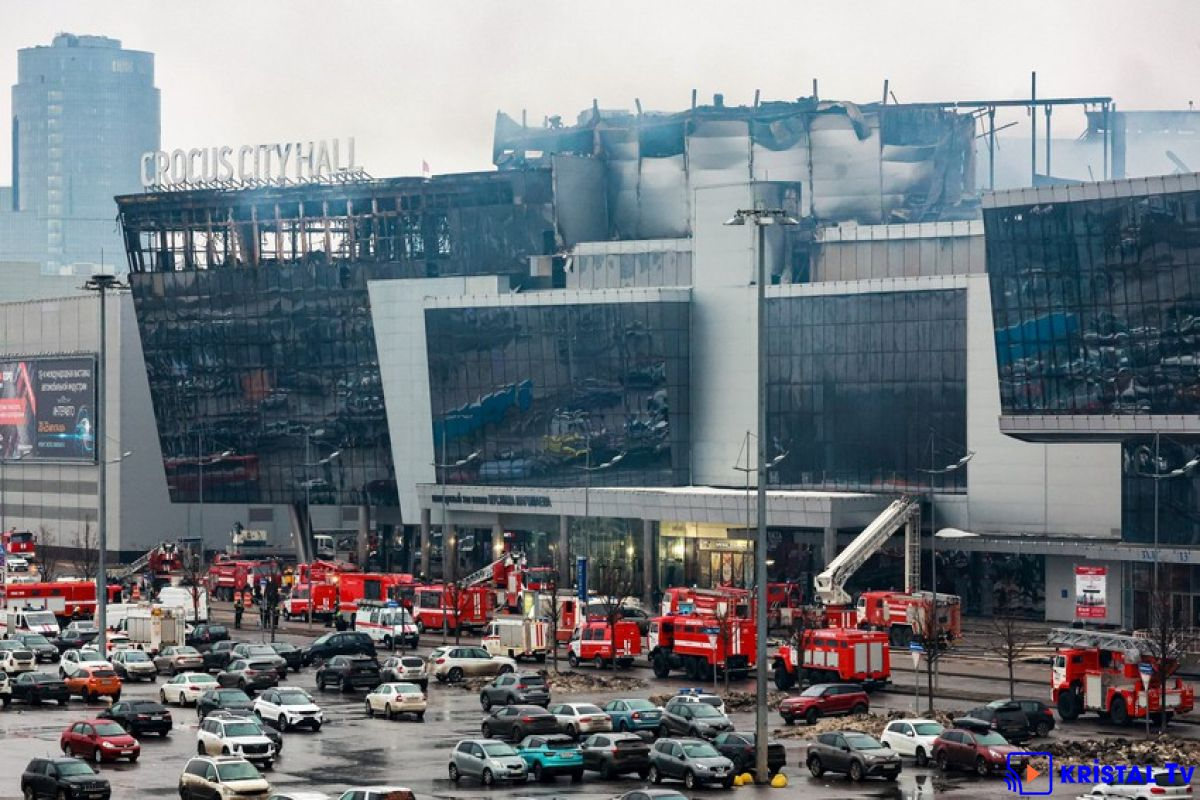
(1101, 640)
(483, 575)
(831, 584)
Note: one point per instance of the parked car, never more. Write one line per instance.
(16, 658)
(73, 660)
(1163, 785)
(511, 688)
(393, 699)
(178, 658)
(983, 751)
(487, 760)
(44, 650)
(378, 793)
(1039, 714)
(694, 720)
(349, 672)
(266, 730)
(613, 754)
(204, 636)
(290, 794)
(698, 695)
(99, 740)
(634, 714)
(547, 757)
(825, 700)
(514, 723)
(913, 737)
(293, 656)
(233, 736)
(234, 700)
(217, 657)
(134, 665)
(249, 676)
(89, 683)
(578, 719)
(69, 639)
(83, 627)
(651, 794)
(38, 687)
(1009, 721)
(343, 643)
(251, 651)
(739, 748)
(455, 663)
(852, 753)
(186, 688)
(222, 778)
(693, 761)
(407, 669)
(63, 778)
(139, 717)
(5, 689)
(289, 708)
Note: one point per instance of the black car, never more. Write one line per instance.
(140, 717)
(63, 778)
(1040, 715)
(44, 650)
(616, 754)
(203, 637)
(739, 748)
(71, 640)
(694, 720)
(342, 643)
(514, 723)
(234, 700)
(218, 656)
(292, 655)
(254, 651)
(349, 672)
(37, 687)
(1008, 720)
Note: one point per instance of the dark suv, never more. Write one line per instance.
(825, 700)
(514, 688)
(202, 637)
(349, 672)
(63, 778)
(853, 753)
(1040, 715)
(1007, 720)
(346, 643)
(695, 720)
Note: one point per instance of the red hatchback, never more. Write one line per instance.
(824, 700)
(99, 740)
(980, 750)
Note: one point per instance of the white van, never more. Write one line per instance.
(181, 597)
(31, 620)
(386, 623)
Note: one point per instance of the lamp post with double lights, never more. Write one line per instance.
(1158, 477)
(448, 573)
(308, 483)
(762, 218)
(588, 469)
(201, 463)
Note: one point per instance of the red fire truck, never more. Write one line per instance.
(320, 570)
(700, 644)
(904, 616)
(433, 602)
(67, 599)
(689, 600)
(323, 596)
(835, 654)
(18, 543)
(1101, 672)
(593, 642)
(226, 575)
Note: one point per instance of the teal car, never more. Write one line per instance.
(550, 756)
(634, 715)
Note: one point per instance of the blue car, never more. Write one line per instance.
(634, 715)
(550, 756)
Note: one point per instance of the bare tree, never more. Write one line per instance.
(727, 620)
(617, 583)
(49, 564)
(192, 576)
(1009, 639)
(926, 621)
(553, 614)
(1168, 641)
(87, 558)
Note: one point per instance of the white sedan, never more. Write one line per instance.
(1165, 784)
(185, 688)
(288, 708)
(912, 737)
(393, 699)
(74, 660)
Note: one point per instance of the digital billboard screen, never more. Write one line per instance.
(47, 408)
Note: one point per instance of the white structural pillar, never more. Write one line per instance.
(649, 551)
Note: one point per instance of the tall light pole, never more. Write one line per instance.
(761, 217)
(200, 465)
(447, 574)
(1158, 477)
(102, 284)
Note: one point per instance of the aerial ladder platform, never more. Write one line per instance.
(902, 513)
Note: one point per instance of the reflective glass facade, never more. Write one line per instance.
(1146, 462)
(561, 395)
(868, 391)
(1097, 305)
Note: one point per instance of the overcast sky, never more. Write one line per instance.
(415, 81)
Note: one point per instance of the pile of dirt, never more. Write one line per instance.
(734, 701)
(572, 682)
(1118, 750)
(872, 724)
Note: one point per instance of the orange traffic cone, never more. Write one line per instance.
(137, 593)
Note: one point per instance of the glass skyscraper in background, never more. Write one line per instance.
(83, 111)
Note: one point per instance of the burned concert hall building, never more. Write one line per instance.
(558, 357)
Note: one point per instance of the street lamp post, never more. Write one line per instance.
(1158, 477)
(440, 469)
(200, 465)
(761, 217)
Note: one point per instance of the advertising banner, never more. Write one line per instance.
(1091, 592)
(47, 409)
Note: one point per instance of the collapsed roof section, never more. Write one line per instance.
(869, 164)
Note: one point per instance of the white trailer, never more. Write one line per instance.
(181, 597)
(518, 637)
(154, 628)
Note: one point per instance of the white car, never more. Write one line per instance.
(185, 688)
(222, 778)
(17, 564)
(16, 658)
(575, 719)
(116, 642)
(699, 696)
(5, 689)
(73, 660)
(1166, 785)
(392, 699)
(134, 665)
(455, 663)
(236, 737)
(377, 793)
(912, 737)
(288, 708)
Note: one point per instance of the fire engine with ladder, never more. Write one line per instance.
(1098, 671)
(703, 632)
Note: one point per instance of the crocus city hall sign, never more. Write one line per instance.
(252, 164)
